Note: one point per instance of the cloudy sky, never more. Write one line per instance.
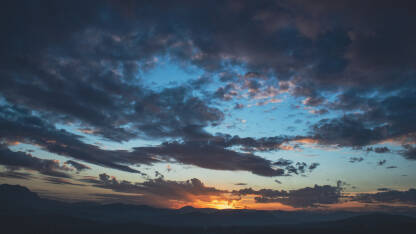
(225, 104)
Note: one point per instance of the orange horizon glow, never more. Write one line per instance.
(222, 203)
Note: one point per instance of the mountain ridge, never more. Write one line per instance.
(92, 214)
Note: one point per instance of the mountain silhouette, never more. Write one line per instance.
(19, 205)
(14, 193)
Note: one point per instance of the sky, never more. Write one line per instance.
(278, 105)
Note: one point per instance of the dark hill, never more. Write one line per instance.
(23, 211)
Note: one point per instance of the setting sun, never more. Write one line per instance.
(216, 204)
(222, 204)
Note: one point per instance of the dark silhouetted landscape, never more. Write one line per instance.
(23, 211)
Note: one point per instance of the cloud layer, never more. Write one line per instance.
(73, 78)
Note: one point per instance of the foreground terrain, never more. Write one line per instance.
(23, 211)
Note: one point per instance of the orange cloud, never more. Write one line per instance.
(306, 141)
(286, 147)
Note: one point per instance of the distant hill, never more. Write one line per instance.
(18, 206)
(15, 192)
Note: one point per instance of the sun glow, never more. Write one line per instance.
(222, 204)
(216, 204)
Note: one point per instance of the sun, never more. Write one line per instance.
(215, 204)
(222, 204)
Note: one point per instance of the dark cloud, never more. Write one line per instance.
(156, 186)
(409, 152)
(250, 144)
(205, 150)
(24, 160)
(304, 197)
(105, 94)
(319, 112)
(89, 179)
(297, 168)
(240, 184)
(283, 162)
(60, 181)
(175, 113)
(388, 196)
(194, 189)
(212, 156)
(284, 38)
(78, 166)
(215, 154)
(13, 174)
(380, 120)
(381, 162)
(379, 150)
(95, 100)
(356, 159)
(19, 125)
(313, 166)
(161, 191)
(313, 101)
(345, 131)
